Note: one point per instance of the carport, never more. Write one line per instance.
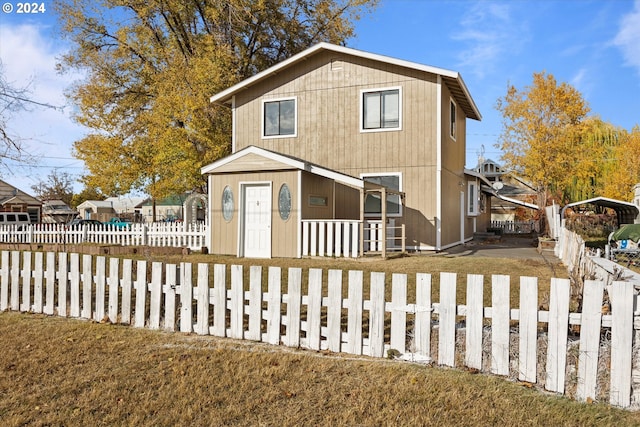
(626, 212)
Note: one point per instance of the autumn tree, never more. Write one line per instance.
(152, 65)
(58, 186)
(592, 145)
(539, 125)
(624, 170)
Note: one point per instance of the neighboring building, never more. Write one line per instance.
(168, 209)
(57, 212)
(14, 200)
(512, 198)
(104, 210)
(184, 207)
(328, 133)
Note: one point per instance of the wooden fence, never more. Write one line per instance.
(154, 234)
(350, 313)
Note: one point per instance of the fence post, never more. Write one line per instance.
(334, 311)
(621, 294)
(141, 294)
(447, 320)
(314, 308)
(376, 316)
(557, 335)
(528, 341)
(26, 281)
(114, 284)
(590, 329)
(63, 279)
(294, 303)
(354, 313)
(274, 300)
(500, 313)
(186, 297)
(474, 321)
(4, 282)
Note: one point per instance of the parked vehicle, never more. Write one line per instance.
(118, 223)
(20, 219)
(80, 221)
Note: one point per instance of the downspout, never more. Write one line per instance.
(438, 218)
(233, 124)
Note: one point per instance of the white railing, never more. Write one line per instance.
(331, 238)
(191, 236)
(341, 238)
(378, 316)
(516, 227)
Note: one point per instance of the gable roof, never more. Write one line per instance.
(452, 79)
(256, 158)
(12, 195)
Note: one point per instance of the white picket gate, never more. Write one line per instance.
(225, 302)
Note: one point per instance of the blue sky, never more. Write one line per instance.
(592, 45)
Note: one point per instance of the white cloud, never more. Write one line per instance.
(628, 37)
(29, 60)
(490, 33)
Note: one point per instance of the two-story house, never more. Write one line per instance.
(333, 140)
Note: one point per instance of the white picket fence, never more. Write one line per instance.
(175, 234)
(346, 312)
(516, 227)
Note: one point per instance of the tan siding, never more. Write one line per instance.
(328, 132)
(224, 237)
(313, 185)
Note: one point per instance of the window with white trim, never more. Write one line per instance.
(452, 119)
(473, 199)
(279, 118)
(373, 204)
(381, 109)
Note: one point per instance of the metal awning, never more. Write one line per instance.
(626, 212)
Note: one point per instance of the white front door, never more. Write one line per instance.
(257, 221)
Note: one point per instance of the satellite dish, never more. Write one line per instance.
(497, 185)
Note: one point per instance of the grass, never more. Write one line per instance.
(75, 373)
(68, 372)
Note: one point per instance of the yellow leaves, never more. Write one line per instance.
(150, 75)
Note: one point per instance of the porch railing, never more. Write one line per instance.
(341, 238)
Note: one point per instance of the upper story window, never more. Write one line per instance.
(279, 118)
(452, 119)
(381, 109)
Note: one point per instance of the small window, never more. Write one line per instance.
(472, 203)
(317, 201)
(381, 110)
(227, 204)
(373, 204)
(452, 121)
(279, 118)
(284, 202)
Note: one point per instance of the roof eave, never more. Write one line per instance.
(224, 97)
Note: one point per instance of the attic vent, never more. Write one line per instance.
(336, 65)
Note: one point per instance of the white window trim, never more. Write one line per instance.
(399, 175)
(473, 209)
(380, 89)
(295, 113)
(453, 134)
